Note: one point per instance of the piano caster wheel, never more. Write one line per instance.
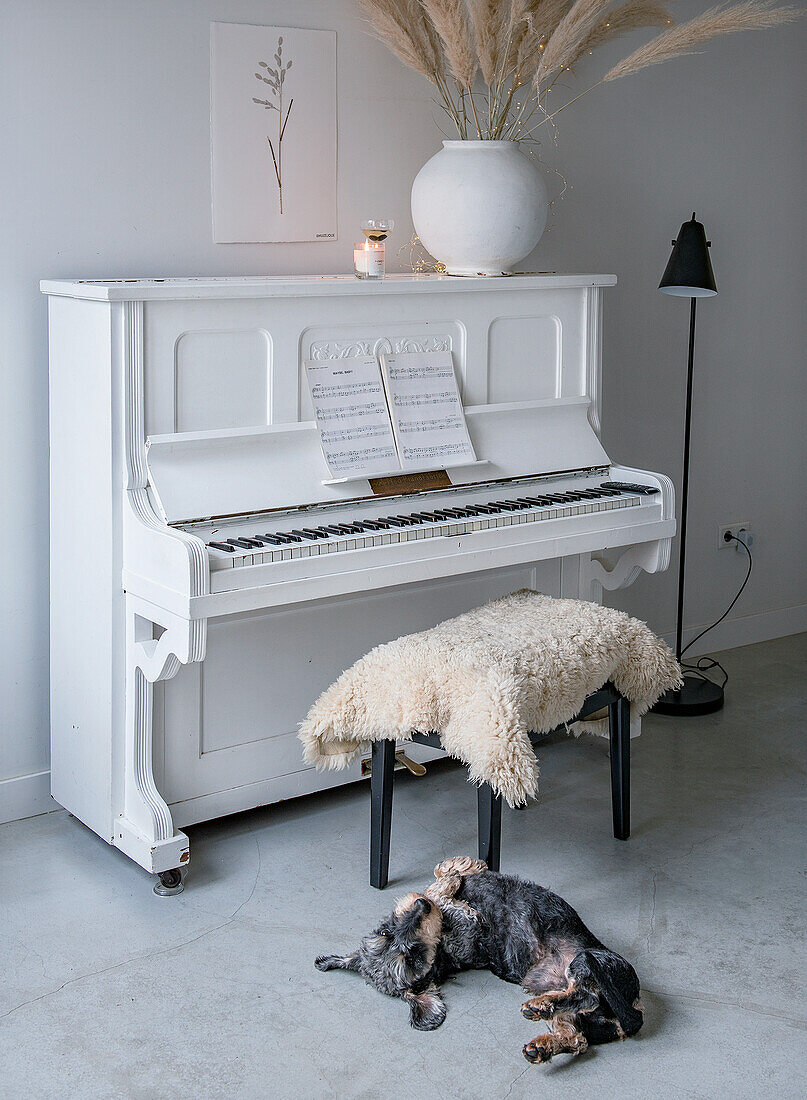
(170, 883)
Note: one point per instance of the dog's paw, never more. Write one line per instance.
(537, 1051)
(539, 1008)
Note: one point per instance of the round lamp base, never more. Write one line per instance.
(697, 696)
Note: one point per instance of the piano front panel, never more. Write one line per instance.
(234, 718)
(222, 380)
(238, 363)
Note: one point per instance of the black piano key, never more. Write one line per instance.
(378, 524)
(410, 520)
(244, 544)
(488, 509)
(457, 513)
(445, 513)
(426, 517)
(222, 546)
(393, 521)
(275, 540)
(334, 530)
(304, 534)
(290, 536)
(266, 540)
(505, 505)
(314, 532)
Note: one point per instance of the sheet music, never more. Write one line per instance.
(352, 416)
(427, 414)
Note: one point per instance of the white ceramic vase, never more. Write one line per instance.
(479, 206)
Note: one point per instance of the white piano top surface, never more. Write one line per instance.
(271, 286)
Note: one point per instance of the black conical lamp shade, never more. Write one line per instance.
(689, 270)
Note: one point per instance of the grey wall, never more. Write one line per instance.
(105, 172)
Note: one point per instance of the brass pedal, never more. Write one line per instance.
(401, 761)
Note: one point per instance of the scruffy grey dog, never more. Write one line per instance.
(471, 918)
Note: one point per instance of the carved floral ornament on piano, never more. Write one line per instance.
(223, 549)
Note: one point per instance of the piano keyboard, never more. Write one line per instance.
(308, 539)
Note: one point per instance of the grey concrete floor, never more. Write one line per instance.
(108, 991)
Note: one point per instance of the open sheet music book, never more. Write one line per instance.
(403, 415)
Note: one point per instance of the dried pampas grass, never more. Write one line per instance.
(450, 19)
(488, 23)
(539, 20)
(751, 15)
(404, 29)
(522, 46)
(629, 17)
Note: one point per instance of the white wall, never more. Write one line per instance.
(105, 172)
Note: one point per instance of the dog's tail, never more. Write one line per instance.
(618, 983)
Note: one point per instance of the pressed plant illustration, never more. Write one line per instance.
(276, 78)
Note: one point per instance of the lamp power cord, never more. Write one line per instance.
(707, 664)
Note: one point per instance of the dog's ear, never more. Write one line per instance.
(427, 1010)
(337, 962)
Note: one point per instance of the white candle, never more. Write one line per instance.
(368, 259)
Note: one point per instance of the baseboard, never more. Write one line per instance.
(762, 626)
(26, 796)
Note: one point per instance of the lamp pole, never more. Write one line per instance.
(685, 486)
(688, 275)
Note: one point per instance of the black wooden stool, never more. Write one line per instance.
(489, 804)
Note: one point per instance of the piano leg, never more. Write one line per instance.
(144, 829)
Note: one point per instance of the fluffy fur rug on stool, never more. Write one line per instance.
(473, 919)
(524, 663)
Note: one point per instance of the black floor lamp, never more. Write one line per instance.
(689, 275)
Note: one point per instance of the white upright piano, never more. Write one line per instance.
(208, 578)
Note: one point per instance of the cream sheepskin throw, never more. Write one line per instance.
(483, 680)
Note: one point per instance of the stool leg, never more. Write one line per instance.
(381, 781)
(619, 729)
(489, 816)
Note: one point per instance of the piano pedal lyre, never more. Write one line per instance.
(402, 761)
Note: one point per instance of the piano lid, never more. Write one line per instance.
(201, 475)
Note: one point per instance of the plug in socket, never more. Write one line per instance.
(738, 530)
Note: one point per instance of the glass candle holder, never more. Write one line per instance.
(377, 229)
(369, 259)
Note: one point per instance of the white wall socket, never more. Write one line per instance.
(743, 530)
